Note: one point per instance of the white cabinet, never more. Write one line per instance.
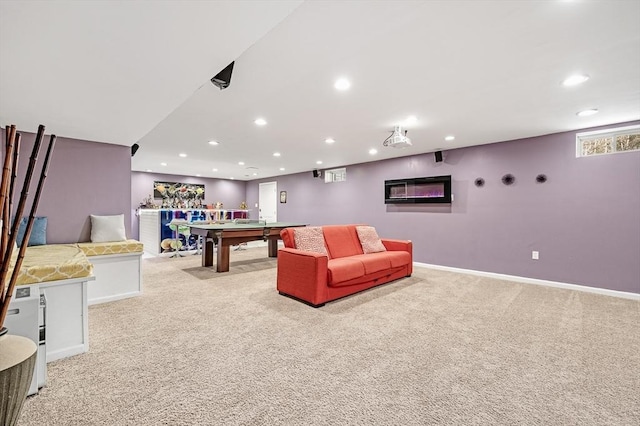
(149, 230)
(25, 319)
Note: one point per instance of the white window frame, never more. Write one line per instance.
(335, 175)
(613, 132)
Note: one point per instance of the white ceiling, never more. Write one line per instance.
(484, 71)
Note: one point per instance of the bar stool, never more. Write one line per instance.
(176, 225)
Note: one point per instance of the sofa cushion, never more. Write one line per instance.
(310, 239)
(341, 240)
(374, 262)
(369, 239)
(398, 258)
(376, 278)
(344, 269)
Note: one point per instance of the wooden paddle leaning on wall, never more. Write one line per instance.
(7, 188)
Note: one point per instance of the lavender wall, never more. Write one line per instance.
(229, 192)
(84, 178)
(583, 220)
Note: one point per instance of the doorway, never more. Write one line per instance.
(268, 201)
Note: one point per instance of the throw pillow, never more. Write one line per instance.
(107, 228)
(310, 238)
(369, 239)
(38, 235)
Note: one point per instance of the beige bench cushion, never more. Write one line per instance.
(113, 247)
(53, 262)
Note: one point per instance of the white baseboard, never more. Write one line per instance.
(113, 298)
(525, 280)
(259, 243)
(67, 352)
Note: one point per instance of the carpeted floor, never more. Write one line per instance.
(200, 348)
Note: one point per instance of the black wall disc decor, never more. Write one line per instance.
(479, 182)
(508, 179)
(541, 178)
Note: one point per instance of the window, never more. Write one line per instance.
(335, 175)
(608, 141)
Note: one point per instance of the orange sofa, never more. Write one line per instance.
(314, 277)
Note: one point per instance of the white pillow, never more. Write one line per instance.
(107, 228)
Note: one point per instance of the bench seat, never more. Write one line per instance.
(53, 262)
(60, 273)
(117, 268)
(113, 247)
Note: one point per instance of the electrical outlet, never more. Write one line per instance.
(535, 255)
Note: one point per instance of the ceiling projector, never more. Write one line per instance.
(398, 138)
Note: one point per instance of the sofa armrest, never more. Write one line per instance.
(401, 245)
(397, 245)
(303, 275)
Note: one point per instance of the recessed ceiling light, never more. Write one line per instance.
(241, 163)
(182, 154)
(276, 154)
(214, 143)
(342, 84)
(587, 112)
(198, 174)
(574, 80)
(214, 170)
(449, 138)
(149, 170)
(373, 151)
(412, 119)
(255, 174)
(282, 169)
(163, 164)
(318, 162)
(329, 140)
(231, 178)
(260, 121)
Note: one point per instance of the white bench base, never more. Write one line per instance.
(117, 276)
(66, 317)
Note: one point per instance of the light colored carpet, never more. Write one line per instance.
(200, 348)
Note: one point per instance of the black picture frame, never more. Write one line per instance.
(283, 196)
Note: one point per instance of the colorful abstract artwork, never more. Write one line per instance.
(176, 194)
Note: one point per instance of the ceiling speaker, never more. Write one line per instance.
(438, 155)
(134, 149)
(222, 80)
